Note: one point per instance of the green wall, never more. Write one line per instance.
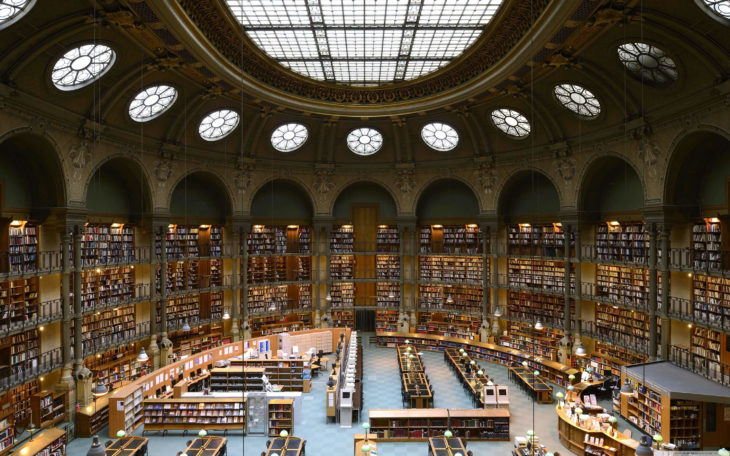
(281, 199)
(529, 193)
(106, 194)
(447, 199)
(700, 173)
(16, 183)
(200, 195)
(364, 193)
(611, 185)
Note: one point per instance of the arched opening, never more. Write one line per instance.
(118, 188)
(31, 176)
(698, 175)
(610, 186)
(200, 197)
(364, 194)
(447, 199)
(529, 196)
(282, 200)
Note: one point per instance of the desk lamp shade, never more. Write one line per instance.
(366, 426)
(644, 448)
(202, 433)
(579, 411)
(490, 383)
(549, 454)
(480, 372)
(571, 377)
(121, 433)
(530, 432)
(536, 373)
(658, 438)
(96, 448)
(571, 387)
(723, 452)
(579, 350)
(448, 434)
(283, 434)
(330, 382)
(186, 326)
(365, 448)
(458, 454)
(612, 419)
(498, 312)
(408, 341)
(560, 395)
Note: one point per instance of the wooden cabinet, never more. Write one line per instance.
(281, 416)
(48, 408)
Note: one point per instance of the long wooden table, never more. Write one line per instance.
(416, 386)
(286, 446)
(471, 380)
(542, 391)
(207, 446)
(443, 446)
(127, 446)
(405, 362)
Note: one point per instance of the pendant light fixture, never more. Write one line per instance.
(538, 325)
(186, 326)
(449, 299)
(579, 350)
(391, 294)
(143, 357)
(328, 297)
(226, 315)
(498, 312)
(626, 388)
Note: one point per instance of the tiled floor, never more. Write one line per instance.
(382, 391)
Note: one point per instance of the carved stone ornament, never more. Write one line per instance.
(486, 176)
(80, 155)
(163, 170)
(565, 164)
(647, 148)
(406, 181)
(323, 181)
(242, 179)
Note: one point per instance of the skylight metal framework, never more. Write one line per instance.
(363, 42)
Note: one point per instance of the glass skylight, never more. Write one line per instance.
(578, 99)
(12, 10)
(719, 7)
(363, 42)
(218, 124)
(152, 102)
(289, 137)
(440, 136)
(81, 66)
(364, 141)
(648, 62)
(512, 122)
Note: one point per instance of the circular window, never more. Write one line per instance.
(512, 122)
(578, 99)
(12, 10)
(289, 137)
(720, 8)
(648, 62)
(440, 136)
(364, 141)
(218, 124)
(82, 66)
(152, 102)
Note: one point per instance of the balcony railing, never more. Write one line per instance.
(713, 370)
(98, 344)
(50, 360)
(48, 311)
(589, 328)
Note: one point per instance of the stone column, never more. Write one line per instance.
(666, 330)
(66, 382)
(493, 239)
(565, 343)
(165, 343)
(82, 375)
(578, 283)
(652, 293)
(246, 332)
(235, 283)
(154, 349)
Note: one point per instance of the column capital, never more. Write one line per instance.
(323, 223)
(157, 222)
(407, 223)
(241, 223)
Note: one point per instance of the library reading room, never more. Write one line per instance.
(364, 227)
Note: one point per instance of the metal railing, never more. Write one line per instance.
(98, 344)
(48, 361)
(135, 255)
(590, 329)
(713, 316)
(100, 300)
(712, 370)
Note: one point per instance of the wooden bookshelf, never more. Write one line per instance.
(342, 267)
(452, 239)
(343, 294)
(711, 298)
(608, 357)
(275, 324)
(449, 325)
(199, 338)
(132, 407)
(387, 294)
(622, 241)
(551, 371)
(524, 337)
(342, 239)
(7, 431)
(531, 307)
(182, 242)
(387, 267)
(387, 238)
(290, 374)
(547, 240)
(386, 320)
(107, 326)
(343, 319)
(186, 414)
(631, 324)
(105, 243)
(49, 443)
(230, 379)
(181, 309)
(268, 269)
(711, 350)
(181, 276)
(210, 240)
(90, 420)
(708, 239)
(215, 272)
(436, 297)
(20, 399)
(48, 408)
(281, 416)
(22, 246)
(19, 353)
(451, 269)
(420, 424)
(279, 239)
(115, 367)
(262, 299)
(104, 286)
(19, 301)
(625, 284)
(544, 275)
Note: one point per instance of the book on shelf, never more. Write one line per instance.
(438, 268)
(22, 246)
(450, 297)
(107, 243)
(622, 241)
(342, 239)
(279, 239)
(547, 275)
(530, 307)
(19, 301)
(706, 251)
(546, 240)
(451, 239)
(387, 239)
